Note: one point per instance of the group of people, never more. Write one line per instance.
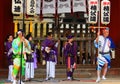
(21, 57)
(49, 53)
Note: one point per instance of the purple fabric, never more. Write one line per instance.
(35, 60)
(31, 59)
(70, 36)
(70, 50)
(69, 74)
(51, 56)
(8, 46)
(53, 51)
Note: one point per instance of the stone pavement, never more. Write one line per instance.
(115, 80)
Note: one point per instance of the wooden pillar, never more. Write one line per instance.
(86, 51)
(38, 29)
(1, 34)
(81, 45)
(27, 28)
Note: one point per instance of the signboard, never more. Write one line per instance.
(31, 7)
(48, 6)
(92, 9)
(64, 6)
(38, 6)
(79, 5)
(17, 6)
(105, 12)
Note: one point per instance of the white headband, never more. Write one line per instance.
(19, 32)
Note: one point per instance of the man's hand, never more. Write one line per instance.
(47, 49)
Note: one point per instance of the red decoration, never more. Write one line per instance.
(26, 15)
(69, 62)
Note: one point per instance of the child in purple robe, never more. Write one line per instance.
(70, 52)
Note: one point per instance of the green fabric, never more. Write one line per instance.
(15, 46)
(17, 49)
(17, 63)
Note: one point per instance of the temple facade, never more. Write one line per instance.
(76, 23)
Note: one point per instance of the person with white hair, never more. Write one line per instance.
(19, 46)
(104, 44)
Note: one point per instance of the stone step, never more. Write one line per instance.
(82, 75)
(78, 66)
(81, 72)
(63, 71)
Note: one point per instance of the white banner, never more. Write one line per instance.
(64, 6)
(79, 5)
(48, 6)
(38, 5)
(17, 6)
(105, 12)
(92, 9)
(31, 7)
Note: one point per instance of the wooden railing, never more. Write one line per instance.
(82, 34)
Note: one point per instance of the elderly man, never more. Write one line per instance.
(104, 44)
(20, 47)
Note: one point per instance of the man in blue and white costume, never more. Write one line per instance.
(105, 45)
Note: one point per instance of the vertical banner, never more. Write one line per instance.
(92, 9)
(38, 5)
(17, 6)
(38, 29)
(105, 12)
(31, 7)
(79, 5)
(48, 6)
(64, 6)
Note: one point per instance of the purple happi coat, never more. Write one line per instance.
(52, 55)
(8, 47)
(70, 53)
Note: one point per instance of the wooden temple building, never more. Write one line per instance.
(76, 23)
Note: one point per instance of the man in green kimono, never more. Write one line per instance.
(19, 45)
